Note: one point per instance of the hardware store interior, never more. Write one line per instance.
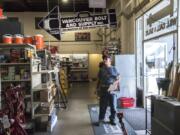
(89, 67)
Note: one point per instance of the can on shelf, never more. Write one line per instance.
(18, 39)
(7, 39)
(39, 41)
(28, 39)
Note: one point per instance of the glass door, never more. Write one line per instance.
(158, 53)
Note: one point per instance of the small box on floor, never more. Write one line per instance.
(46, 123)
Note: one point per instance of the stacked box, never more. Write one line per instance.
(46, 108)
(46, 123)
(11, 73)
(45, 95)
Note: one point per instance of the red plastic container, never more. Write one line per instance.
(126, 102)
(28, 40)
(1, 12)
(18, 39)
(7, 39)
(39, 41)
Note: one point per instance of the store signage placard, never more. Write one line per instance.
(54, 24)
(91, 21)
(161, 19)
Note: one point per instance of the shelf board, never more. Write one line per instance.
(43, 87)
(27, 96)
(2, 45)
(79, 67)
(28, 80)
(79, 70)
(79, 80)
(39, 115)
(10, 64)
(45, 72)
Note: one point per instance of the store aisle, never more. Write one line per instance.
(75, 120)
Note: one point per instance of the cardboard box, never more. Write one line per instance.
(45, 95)
(46, 108)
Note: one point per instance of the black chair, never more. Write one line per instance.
(163, 83)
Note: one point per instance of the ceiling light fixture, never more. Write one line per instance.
(64, 1)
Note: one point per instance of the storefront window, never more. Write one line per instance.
(156, 38)
(158, 53)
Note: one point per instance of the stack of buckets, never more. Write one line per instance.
(36, 40)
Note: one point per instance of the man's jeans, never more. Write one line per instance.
(106, 98)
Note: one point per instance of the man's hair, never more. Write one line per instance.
(105, 57)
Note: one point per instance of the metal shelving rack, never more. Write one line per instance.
(2, 64)
(41, 87)
(31, 65)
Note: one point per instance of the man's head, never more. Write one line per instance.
(107, 60)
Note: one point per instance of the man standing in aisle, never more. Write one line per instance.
(108, 75)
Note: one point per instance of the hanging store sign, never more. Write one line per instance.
(51, 24)
(76, 23)
(161, 19)
(55, 24)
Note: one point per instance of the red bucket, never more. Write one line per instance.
(39, 41)
(18, 39)
(28, 40)
(126, 102)
(7, 39)
(1, 12)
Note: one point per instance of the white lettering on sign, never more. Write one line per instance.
(74, 23)
(77, 20)
(99, 18)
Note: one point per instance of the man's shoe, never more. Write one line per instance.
(112, 122)
(101, 122)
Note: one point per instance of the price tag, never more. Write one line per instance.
(5, 121)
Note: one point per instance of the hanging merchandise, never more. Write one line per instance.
(39, 41)
(7, 39)
(18, 39)
(12, 116)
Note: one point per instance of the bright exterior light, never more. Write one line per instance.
(64, 1)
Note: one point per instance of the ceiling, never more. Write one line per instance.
(41, 5)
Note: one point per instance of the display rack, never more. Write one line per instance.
(63, 81)
(17, 69)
